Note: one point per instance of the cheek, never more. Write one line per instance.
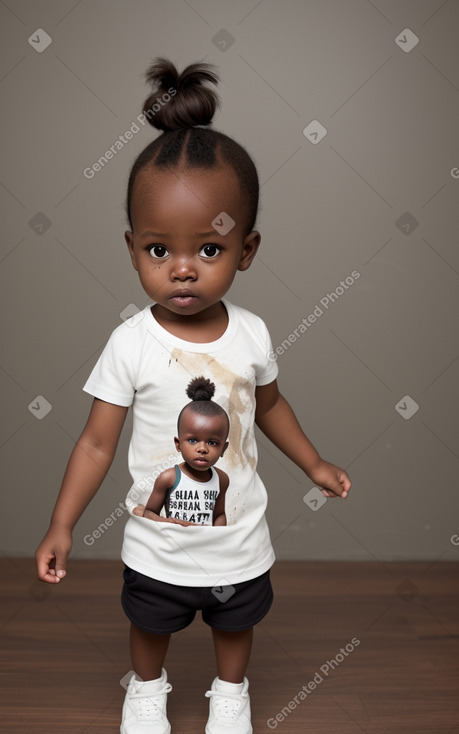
(225, 277)
(150, 270)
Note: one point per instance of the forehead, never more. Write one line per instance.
(191, 422)
(195, 196)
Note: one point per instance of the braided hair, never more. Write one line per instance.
(182, 106)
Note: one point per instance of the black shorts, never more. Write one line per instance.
(162, 608)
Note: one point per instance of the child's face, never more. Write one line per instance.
(201, 439)
(183, 263)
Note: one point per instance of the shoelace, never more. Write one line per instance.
(149, 707)
(226, 705)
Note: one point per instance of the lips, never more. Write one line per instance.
(181, 292)
(183, 297)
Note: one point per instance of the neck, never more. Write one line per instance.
(199, 476)
(205, 326)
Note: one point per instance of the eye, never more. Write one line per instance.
(158, 252)
(191, 440)
(208, 252)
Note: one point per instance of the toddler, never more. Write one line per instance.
(193, 492)
(191, 206)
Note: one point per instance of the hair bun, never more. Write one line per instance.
(180, 100)
(200, 389)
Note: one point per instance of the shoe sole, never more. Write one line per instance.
(250, 731)
(168, 731)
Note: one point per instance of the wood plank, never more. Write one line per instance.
(65, 649)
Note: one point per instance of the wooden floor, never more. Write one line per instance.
(64, 651)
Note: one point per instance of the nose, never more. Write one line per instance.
(183, 269)
(202, 447)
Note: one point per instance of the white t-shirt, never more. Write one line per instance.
(145, 366)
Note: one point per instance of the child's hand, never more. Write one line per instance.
(141, 511)
(52, 553)
(333, 481)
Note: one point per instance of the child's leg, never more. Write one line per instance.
(148, 652)
(232, 650)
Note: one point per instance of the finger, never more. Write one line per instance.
(60, 569)
(342, 485)
(345, 482)
(336, 488)
(51, 578)
(45, 573)
(328, 493)
(160, 518)
(176, 521)
(155, 517)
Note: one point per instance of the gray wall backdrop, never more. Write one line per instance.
(372, 203)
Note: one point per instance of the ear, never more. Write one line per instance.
(249, 250)
(177, 444)
(224, 448)
(129, 237)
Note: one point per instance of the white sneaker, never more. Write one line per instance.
(229, 713)
(144, 707)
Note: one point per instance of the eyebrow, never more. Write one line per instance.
(191, 434)
(153, 234)
(212, 233)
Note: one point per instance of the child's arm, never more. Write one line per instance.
(88, 465)
(157, 499)
(158, 496)
(155, 504)
(219, 517)
(276, 419)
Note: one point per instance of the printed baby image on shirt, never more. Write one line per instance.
(194, 491)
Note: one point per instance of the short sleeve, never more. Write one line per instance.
(268, 370)
(112, 378)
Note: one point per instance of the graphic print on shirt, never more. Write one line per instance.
(239, 404)
(192, 501)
